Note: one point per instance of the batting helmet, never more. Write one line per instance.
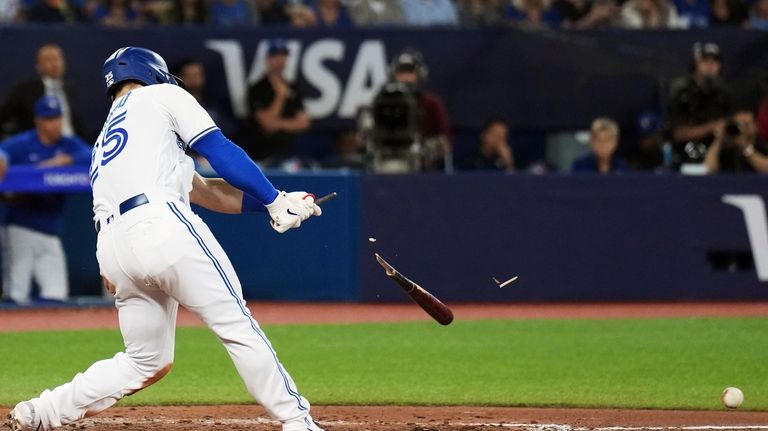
(136, 64)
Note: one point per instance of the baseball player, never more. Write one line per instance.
(31, 244)
(154, 253)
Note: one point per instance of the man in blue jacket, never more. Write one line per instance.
(31, 244)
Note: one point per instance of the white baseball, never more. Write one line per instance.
(371, 239)
(732, 397)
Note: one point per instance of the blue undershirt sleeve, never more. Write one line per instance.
(251, 204)
(232, 164)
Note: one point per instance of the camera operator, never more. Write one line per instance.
(409, 69)
(699, 105)
(737, 148)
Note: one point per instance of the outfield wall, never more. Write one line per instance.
(568, 238)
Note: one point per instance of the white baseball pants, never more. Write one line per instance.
(156, 256)
(29, 254)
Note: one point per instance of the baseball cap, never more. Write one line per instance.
(406, 62)
(706, 49)
(48, 107)
(277, 46)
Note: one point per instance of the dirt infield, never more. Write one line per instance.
(395, 418)
(24, 319)
(405, 418)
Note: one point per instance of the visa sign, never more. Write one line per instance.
(753, 209)
(335, 98)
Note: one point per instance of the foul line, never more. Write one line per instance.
(510, 425)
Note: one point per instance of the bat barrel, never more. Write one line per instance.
(433, 306)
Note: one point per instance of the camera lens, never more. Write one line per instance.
(732, 129)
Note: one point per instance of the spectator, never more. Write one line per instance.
(53, 11)
(33, 222)
(158, 11)
(17, 113)
(602, 159)
(693, 13)
(649, 14)
(300, 15)
(494, 152)
(762, 113)
(10, 11)
(347, 152)
(480, 12)
(192, 73)
(277, 110)
(649, 155)
(189, 12)
(699, 106)
(758, 15)
(271, 12)
(331, 14)
(231, 13)
(582, 14)
(88, 8)
(738, 149)
(116, 13)
(728, 13)
(429, 12)
(375, 12)
(533, 14)
(434, 128)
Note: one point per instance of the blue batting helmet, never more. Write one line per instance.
(136, 64)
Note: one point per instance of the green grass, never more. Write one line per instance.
(654, 363)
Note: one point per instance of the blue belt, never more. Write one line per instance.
(127, 205)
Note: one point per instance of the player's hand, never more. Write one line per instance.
(290, 209)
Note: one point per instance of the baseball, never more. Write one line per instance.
(371, 239)
(732, 397)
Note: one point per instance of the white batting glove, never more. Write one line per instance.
(290, 209)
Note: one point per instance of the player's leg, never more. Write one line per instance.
(209, 287)
(50, 268)
(147, 322)
(18, 261)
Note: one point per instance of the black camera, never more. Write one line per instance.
(732, 129)
(394, 116)
(390, 129)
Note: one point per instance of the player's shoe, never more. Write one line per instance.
(23, 418)
(306, 424)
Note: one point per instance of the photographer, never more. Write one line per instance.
(737, 148)
(432, 117)
(699, 105)
(406, 127)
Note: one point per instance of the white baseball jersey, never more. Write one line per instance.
(157, 255)
(141, 147)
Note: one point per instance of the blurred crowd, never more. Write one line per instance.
(340, 14)
(702, 129)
